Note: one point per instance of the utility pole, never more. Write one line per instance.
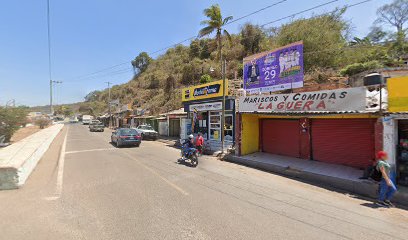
(51, 86)
(49, 55)
(109, 103)
(223, 106)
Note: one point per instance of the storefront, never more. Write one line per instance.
(203, 104)
(330, 126)
(395, 124)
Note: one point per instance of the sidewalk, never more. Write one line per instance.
(336, 176)
(171, 141)
(18, 160)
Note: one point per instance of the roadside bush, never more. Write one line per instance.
(356, 68)
(42, 122)
(205, 79)
(11, 119)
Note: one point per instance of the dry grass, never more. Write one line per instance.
(24, 132)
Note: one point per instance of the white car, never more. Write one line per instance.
(147, 132)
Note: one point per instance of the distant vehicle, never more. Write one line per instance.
(126, 137)
(73, 120)
(96, 127)
(148, 132)
(86, 119)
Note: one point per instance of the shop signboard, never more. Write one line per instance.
(398, 94)
(347, 99)
(275, 70)
(204, 91)
(211, 106)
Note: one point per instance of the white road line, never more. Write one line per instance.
(160, 176)
(60, 175)
(91, 150)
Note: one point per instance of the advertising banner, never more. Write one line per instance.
(275, 70)
(212, 106)
(347, 99)
(203, 91)
(397, 94)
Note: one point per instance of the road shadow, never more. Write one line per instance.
(372, 205)
(124, 146)
(184, 163)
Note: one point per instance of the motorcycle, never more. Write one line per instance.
(188, 154)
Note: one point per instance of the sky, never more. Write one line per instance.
(88, 36)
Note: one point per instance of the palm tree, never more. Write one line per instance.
(215, 23)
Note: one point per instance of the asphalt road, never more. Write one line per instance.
(101, 192)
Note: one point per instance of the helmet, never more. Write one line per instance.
(191, 136)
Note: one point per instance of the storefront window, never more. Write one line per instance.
(200, 123)
(215, 126)
(402, 158)
(229, 128)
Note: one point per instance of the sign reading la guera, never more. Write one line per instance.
(203, 91)
(347, 99)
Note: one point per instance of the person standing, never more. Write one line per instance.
(200, 143)
(387, 187)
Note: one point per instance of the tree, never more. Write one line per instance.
(141, 62)
(92, 96)
(394, 14)
(11, 119)
(215, 23)
(64, 110)
(205, 79)
(251, 38)
(195, 49)
(323, 38)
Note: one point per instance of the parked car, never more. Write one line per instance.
(148, 132)
(126, 136)
(96, 127)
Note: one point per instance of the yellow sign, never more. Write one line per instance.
(216, 136)
(398, 94)
(204, 91)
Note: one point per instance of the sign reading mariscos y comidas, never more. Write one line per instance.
(347, 99)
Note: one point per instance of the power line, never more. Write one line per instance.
(245, 16)
(185, 40)
(303, 11)
(257, 11)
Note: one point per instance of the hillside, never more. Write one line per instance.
(329, 52)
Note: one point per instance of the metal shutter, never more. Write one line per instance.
(343, 141)
(281, 137)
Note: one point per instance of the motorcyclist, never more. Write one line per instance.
(190, 142)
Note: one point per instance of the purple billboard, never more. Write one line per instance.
(276, 70)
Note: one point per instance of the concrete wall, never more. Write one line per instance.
(163, 128)
(18, 160)
(390, 136)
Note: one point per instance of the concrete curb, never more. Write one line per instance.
(20, 159)
(365, 188)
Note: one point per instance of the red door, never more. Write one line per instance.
(281, 137)
(343, 141)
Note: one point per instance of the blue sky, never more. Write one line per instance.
(90, 35)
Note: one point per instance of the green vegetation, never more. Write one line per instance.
(330, 50)
(205, 79)
(11, 119)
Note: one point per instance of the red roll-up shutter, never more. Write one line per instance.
(281, 137)
(343, 141)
